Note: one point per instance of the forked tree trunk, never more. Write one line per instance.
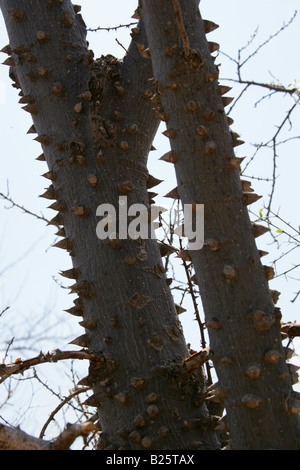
(95, 122)
(244, 326)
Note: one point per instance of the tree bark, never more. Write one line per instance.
(95, 122)
(243, 324)
(15, 439)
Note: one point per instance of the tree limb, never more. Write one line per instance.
(19, 367)
(15, 439)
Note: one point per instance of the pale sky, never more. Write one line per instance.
(28, 264)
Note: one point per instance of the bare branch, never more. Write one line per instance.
(27, 211)
(7, 349)
(296, 296)
(70, 434)
(112, 28)
(197, 314)
(182, 31)
(291, 329)
(196, 361)
(3, 311)
(269, 86)
(15, 439)
(284, 26)
(6, 370)
(124, 48)
(59, 407)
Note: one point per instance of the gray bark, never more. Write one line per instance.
(243, 324)
(15, 439)
(95, 122)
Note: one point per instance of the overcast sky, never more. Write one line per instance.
(28, 264)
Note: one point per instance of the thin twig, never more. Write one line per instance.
(3, 311)
(284, 26)
(295, 298)
(70, 434)
(59, 407)
(287, 271)
(15, 439)
(112, 28)
(196, 361)
(286, 223)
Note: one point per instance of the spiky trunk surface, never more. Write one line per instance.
(244, 326)
(95, 121)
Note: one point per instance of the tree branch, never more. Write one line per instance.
(27, 211)
(15, 439)
(19, 367)
(269, 86)
(59, 407)
(70, 434)
(182, 31)
(111, 28)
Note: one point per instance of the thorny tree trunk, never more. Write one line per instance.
(95, 122)
(244, 325)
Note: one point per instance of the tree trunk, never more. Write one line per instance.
(243, 324)
(95, 122)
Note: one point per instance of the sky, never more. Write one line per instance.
(29, 280)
